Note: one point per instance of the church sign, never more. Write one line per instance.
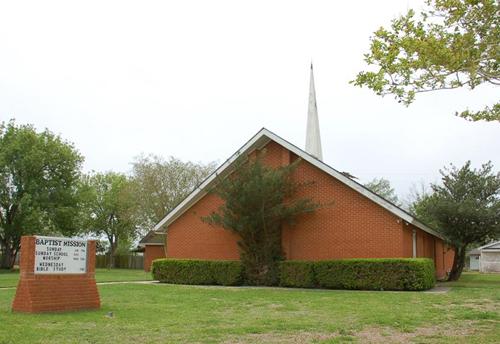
(60, 255)
(56, 275)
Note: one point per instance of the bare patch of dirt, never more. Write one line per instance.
(485, 305)
(369, 335)
(390, 335)
(281, 338)
(275, 305)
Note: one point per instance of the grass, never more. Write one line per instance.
(469, 313)
(476, 280)
(10, 278)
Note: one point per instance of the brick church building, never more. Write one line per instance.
(357, 223)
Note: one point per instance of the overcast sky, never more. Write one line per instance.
(196, 80)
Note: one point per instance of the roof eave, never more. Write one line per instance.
(488, 245)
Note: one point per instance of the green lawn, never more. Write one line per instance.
(159, 313)
(9, 279)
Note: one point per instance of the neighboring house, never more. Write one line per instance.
(485, 258)
(153, 246)
(359, 223)
(474, 259)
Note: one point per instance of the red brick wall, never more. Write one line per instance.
(348, 226)
(425, 244)
(190, 237)
(407, 239)
(38, 293)
(449, 255)
(444, 259)
(152, 252)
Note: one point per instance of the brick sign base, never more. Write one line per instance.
(37, 293)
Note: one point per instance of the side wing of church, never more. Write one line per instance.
(354, 223)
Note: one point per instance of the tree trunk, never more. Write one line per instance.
(8, 257)
(112, 250)
(458, 264)
(110, 260)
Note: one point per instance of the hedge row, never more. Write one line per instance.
(204, 272)
(362, 274)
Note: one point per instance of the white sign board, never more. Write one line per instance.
(60, 255)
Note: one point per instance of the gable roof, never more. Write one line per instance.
(258, 141)
(492, 246)
(152, 238)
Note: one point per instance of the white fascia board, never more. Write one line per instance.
(152, 244)
(259, 140)
(426, 228)
(354, 185)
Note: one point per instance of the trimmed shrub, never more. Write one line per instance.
(201, 272)
(227, 272)
(297, 274)
(362, 274)
(376, 274)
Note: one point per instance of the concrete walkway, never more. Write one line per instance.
(127, 282)
(438, 290)
(435, 290)
(104, 283)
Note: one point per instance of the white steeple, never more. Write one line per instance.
(313, 138)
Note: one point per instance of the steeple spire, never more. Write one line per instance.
(313, 138)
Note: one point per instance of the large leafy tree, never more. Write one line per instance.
(39, 174)
(451, 44)
(258, 201)
(465, 207)
(162, 184)
(383, 188)
(110, 207)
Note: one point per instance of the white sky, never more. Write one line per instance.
(196, 80)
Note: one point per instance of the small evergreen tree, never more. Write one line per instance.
(418, 204)
(465, 208)
(258, 201)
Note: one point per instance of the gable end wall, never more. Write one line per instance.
(349, 225)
